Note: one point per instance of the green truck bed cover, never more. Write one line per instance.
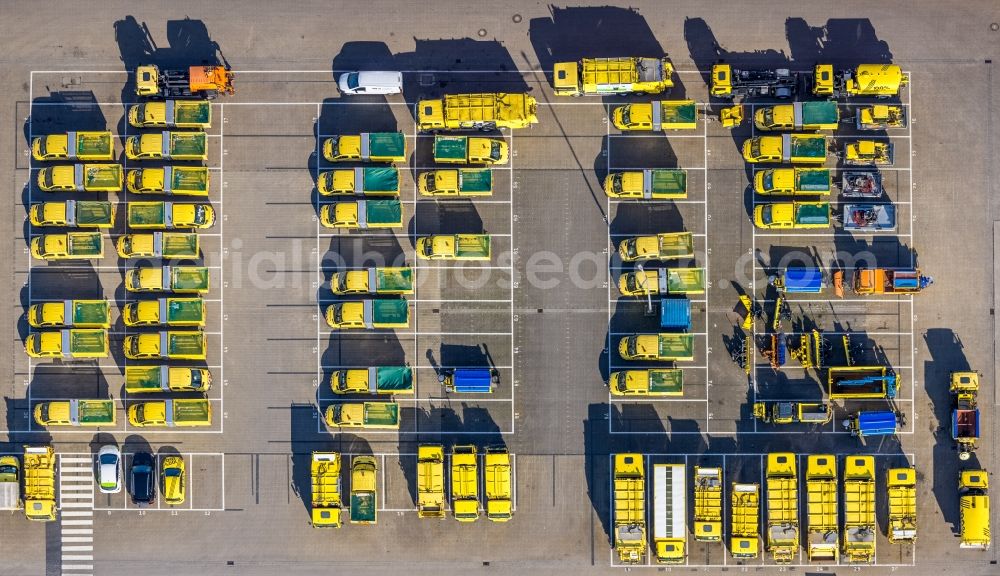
(821, 112)
(194, 410)
(390, 378)
(184, 143)
(92, 411)
(394, 280)
(98, 175)
(176, 244)
(379, 212)
(683, 280)
(450, 147)
(675, 113)
(89, 211)
(381, 413)
(86, 312)
(676, 245)
(85, 243)
(145, 214)
(362, 507)
(188, 112)
(185, 277)
(673, 182)
(84, 340)
(186, 343)
(474, 245)
(678, 346)
(376, 179)
(184, 178)
(176, 310)
(146, 377)
(475, 180)
(666, 381)
(382, 144)
(812, 214)
(387, 311)
(90, 144)
(812, 180)
(802, 146)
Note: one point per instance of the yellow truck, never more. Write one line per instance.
(73, 214)
(171, 114)
(193, 82)
(455, 182)
(821, 508)
(76, 343)
(176, 279)
(178, 312)
(744, 525)
(669, 514)
(792, 215)
(782, 507)
(167, 146)
(362, 214)
(86, 146)
(658, 184)
(40, 483)
(75, 413)
(68, 246)
(81, 178)
(901, 488)
(477, 111)
(869, 153)
(879, 80)
(454, 247)
(603, 76)
(146, 379)
(974, 506)
(169, 215)
(454, 149)
(817, 115)
(793, 182)
(630, 507)
(430, 481)
(656, 116)
(361, 181)
(10, 483)
(75, 313)
(326, 489)
(707, 504)
(169, 180)
(366, 147)
(465, 483)
(792, 412)
(662, 347)
(171, 413)
(498, 484)
(364, 490)
(374, 415)
(667, 246)
(664, 281)
(880, 117)
(374, 380)
(158, 245)
(786, 148)
(644, 383)
(381, 281)
(859, 510)
(166, 345)
(368, 314)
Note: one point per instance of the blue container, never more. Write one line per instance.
(803, 280)
(675, 314)
(879, 423)
(472, 380)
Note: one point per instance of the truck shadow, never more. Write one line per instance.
(307, 434)
(842, 41)
(452, 217)
(69, 381)
(64, 111)
(362, 349)
(597, 448)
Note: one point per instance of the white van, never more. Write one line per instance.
(371, 83)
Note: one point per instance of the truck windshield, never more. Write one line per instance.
(495, 151)
(127, 245)
(632, 282)
(768, 180)
(616, 183)
(199, 214)
(338, 315)
(428, 249)
(626, 117)
(134, 350)
(140, 111)
(41, 145)
(44, 413)
(429, 182)
(47, 178)
(342, 380)
(755, 148)
(196, 379)
(767, 116)
(140, 413)
(630, 247)
(8, 470)
(630, 345)
(352, 80)
(765, 214)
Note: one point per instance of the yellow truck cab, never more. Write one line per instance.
(974, 505)
(454, 247)
(879, 80)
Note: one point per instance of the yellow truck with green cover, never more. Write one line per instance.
(180, 312)
(87, 146)
(360, 181)
(73, 214)
(430, 481)
(629, 490)
(792, 215)
(327, 490)
(68, 246)
(782, 507)
(171, 114)
(373, 415)
(373, 380)
(167, 146)
(169, 180)
(81, 178)
(498, 484)
(675, 281)
(816, 115)
(454, 247)
(456, 182)
(40, 483)
(176, 279)
(75, 343)
(663, 347)
(603, 76)
(166, 345)
(149, 379)
(75, 413)
(667, 246)
(169, 215)
(465, 483)
(656, 116)
(171, 413)
(381, 281)
(364, 490)
(368, 314)
(362, 214)
(452, 149)
(793, 182)
(859, 510)
(158, 245)
(786, 149)
(707, 504)
(70, 313)
(658, 184)
(477, 112)
(821, 508)
(366, 147)
(658, 382)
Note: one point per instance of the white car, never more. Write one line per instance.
(370, 83)
(109, 469)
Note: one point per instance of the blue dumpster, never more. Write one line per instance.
(803, 280)
(675, 314)
(470, 380)
(876, 423)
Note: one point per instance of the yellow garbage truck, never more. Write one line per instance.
(603, 76)
(669, 514)
(477, 111)
(859, 510)
(707, 504)
(40, 483)
(327, 499)
(498, 484)
(430, 481)
(630, 507)
(744, 525)
(974, 504)
(782, 507)
(821, 508)
(465, 483)
(901, 488)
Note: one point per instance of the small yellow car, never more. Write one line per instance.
(173, 479)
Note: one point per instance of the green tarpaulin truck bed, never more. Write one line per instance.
(95, 411)
(379, 212)
(100, 176)
(178, 310)
(685, 280)
(389, 312)
(185, 343)
(678, 346)
(666, 381)
(92, 143)
(145, 214)
(87, 312)
(90, 212)
(672, 182)
(377, 179)
(186, 144)
(391, 279)
(85, 243)
(183, 178)
(190, 411)
(188, 112)
(84, 341)
(476, 180)
(472, 245)
(383, 144)
(381, 413)
(811, 214)
(451, 148)
(363, 507)
(812, 180)
(803, 147)
(186, 278)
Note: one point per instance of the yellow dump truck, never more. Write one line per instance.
(374, 415)
(454, 247)
(40, 483)
(180, 312)
(786, 148)
(362, 214)
(171, 413)
(75, 313)
(73, 214)
(821, 508)
(477, 111)
(146, 379)
(96, 412)
(665, 382)
(658, 184)
(782, 507)
(166, 345)
(68, 246)
(859, 510)
(603, 76)
(744, 526)
(667, 246)
(326, 490)
(361, 181)
(901, 486)
(455, 182)
(177, 279)
(498, 484)
(662, 347)
(656, 116)
(158, 245)
(167, 146)
(382, 281)
(818, 115)
(707, 504)
(974, 506)
(171, 114)
(792, 215)
(86, 146)
(793, 182)
(630, 507)
(169, 180)
(368, 314)
(430, 481)
(168, 215)
(373, 380)
(669, 514)
(364, 490)
(663, 281)
(465, 483)
(366, 147)
(75, 343)
(455, 149)
(81, 178)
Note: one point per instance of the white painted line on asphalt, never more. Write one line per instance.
(74, 567)
(71, 557)
(76, 505)
(76, 522)
(77, 531)
(76, 539)
(69, 513)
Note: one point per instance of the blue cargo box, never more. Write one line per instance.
(675, 313)
(472, 380)
(803, 280)
(879, 423)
